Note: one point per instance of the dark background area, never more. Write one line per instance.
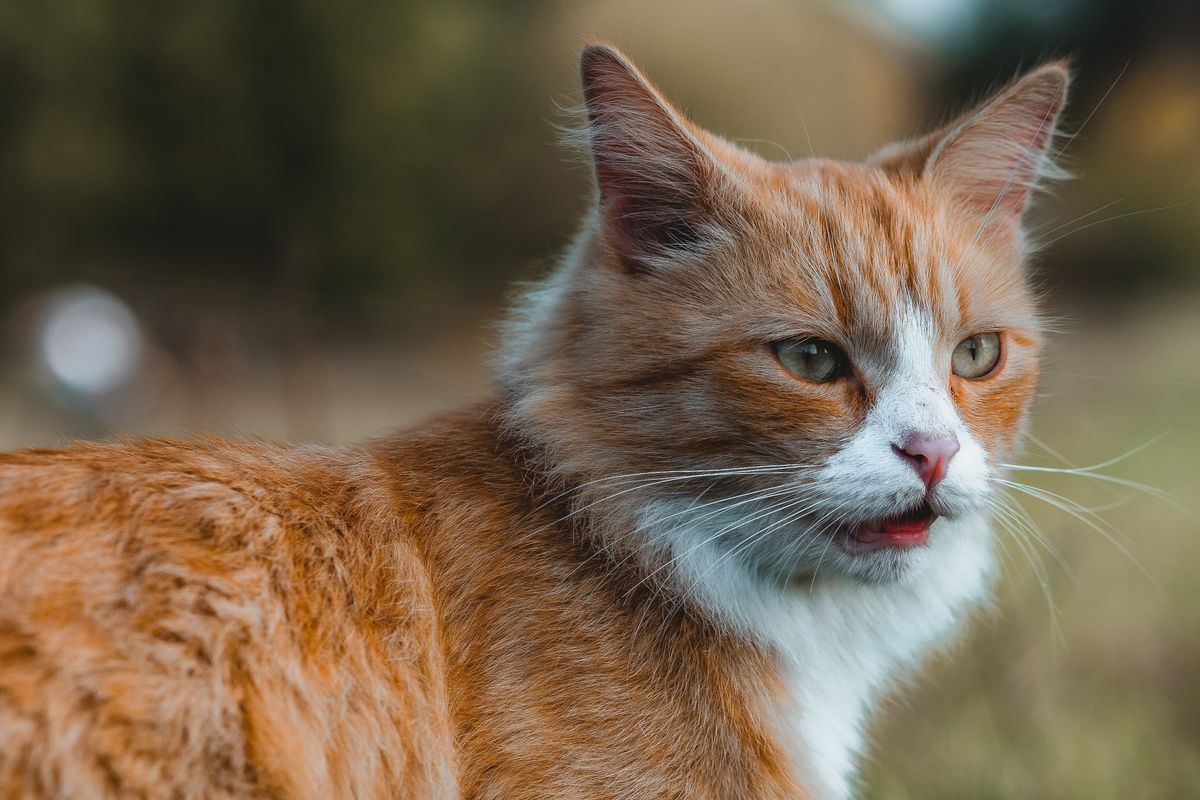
(373, 159)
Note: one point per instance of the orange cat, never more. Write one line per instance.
(730, 490)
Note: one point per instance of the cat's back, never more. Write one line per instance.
(213, 619)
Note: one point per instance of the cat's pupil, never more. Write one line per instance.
(976, 356)
(820, 359)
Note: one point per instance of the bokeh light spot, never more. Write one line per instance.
(89, 340)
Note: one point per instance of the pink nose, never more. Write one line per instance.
(929, 455)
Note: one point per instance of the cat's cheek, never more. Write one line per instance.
(994, 410)
(790, 412)
(808, 428)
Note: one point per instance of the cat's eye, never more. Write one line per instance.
(812, 359)
(976, 356)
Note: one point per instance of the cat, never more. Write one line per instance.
(729, 491)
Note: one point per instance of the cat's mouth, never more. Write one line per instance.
(909, 529)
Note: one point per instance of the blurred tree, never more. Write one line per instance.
(324, 149)
(392, 153)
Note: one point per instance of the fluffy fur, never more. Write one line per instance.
(627, 575)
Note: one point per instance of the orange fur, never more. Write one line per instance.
(231, 620)
(461, 611)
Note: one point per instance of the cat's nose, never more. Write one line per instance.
(928, 455)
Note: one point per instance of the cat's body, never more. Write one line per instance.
(661, 563)
(236, 620)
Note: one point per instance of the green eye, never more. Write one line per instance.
(976, 355)
(814, 360)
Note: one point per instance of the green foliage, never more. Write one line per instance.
(331, 148)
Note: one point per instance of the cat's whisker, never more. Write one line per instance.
(1137, 486)
(790, 515)
(1053, 453)
(1087, 517)
(1120, 502)
(1028, 523)
(820, 529)
(1007, 508)
(1027, 536)
(775, 508)
(1061, 236)
(1111, 461)
(1092, 472)
(820, 560)
(682, 474)
(632, 478)
(1147, 381)
(1039, 570)
(1006, 560)
(674, 477)
(756, 495)
(757, 536)
(1080, 218)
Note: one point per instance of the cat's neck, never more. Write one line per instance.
(841, 643)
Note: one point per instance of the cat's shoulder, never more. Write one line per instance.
(245, 494)
(225, 607)
(150, 484)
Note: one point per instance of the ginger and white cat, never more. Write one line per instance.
(730, 489)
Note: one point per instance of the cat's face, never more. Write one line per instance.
(856, 344)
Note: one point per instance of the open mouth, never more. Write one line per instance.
(910, 529)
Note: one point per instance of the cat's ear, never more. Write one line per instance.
(653, 173)
(993, 158)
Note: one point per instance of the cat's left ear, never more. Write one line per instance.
(658, 185)
(992, 159)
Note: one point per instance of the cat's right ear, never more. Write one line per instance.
(992, 160)
(653, 174)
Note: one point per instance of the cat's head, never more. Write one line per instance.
(846, 350)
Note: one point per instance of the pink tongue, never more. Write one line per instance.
(896, 535)
(905, 531)
(905, 526)
(907, 538)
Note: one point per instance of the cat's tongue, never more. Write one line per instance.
(903, 530)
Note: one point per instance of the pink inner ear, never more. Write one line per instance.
(650, 170)
(646, 225)
(997, 175)
(993, 159)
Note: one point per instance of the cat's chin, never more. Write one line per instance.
(886, 565)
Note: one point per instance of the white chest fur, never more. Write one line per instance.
(843, 643)
(848, 643)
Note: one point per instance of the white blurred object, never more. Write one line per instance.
(934, 19)
(959, 24)
(89, 340)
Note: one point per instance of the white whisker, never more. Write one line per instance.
(1084, 515)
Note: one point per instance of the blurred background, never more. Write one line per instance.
(298, 219)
